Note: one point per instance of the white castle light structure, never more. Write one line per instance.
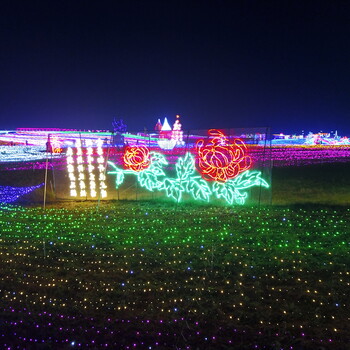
(88, 170)
(165, 140)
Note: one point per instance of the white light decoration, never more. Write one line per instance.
(56, 145)
(71, 174)
(166, 144)
(87, 174)
(80, 167)
(166, 141)
(177, 133)
(101, 168)
(20, 153)
(91, 168)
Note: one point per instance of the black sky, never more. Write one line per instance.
(79, 64)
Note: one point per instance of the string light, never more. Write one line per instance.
(134, 275)
(219, 159)
(101, 168)
(81, 161)
(177, 133)
(148, 167)
(136, 158)
(71, 170)
(9, 194)
(306, 155)
(20, 153)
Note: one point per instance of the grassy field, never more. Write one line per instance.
(313, 184)
(140, 275)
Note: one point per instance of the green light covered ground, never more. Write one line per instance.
(161, 276)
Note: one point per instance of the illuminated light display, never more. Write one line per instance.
(80, 167)
(166, 129)
(136, 158)
(38, 137)
(136, 276)
(166, 144)
(71, 172)
(32, 157)
(29, 146)
(158, 126)
(165, 137)
(9, 194)
(187, 180)
(20, 153)
(101, 168)
(86, 170)
(233, 191)
(219, 159)
(55, 144)
(285, 156)
(177, 174)
(91, 168)
(177, 133)
(143, 276)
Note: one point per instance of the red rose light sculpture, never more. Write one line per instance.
(219, 159)
(136, 158)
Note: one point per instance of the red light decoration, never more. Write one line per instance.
(220, 160)
(136, 158)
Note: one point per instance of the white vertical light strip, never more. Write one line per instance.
(71, 175)
(101, 168)
(80, 167)
(91, 168)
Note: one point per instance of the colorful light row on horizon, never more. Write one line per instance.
(24, 157)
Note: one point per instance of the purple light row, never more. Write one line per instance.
(299, 156)
(23, 327)
(280, 156)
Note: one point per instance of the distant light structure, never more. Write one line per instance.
(119, 126)
(177, 133)
(158, 126)
(170, 137)
(165, 137)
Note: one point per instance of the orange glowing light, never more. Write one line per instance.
(219, 159)
(136, 158)
(56, 145)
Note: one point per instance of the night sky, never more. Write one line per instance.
(79, 64)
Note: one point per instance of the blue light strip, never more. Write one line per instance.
(10, 194)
